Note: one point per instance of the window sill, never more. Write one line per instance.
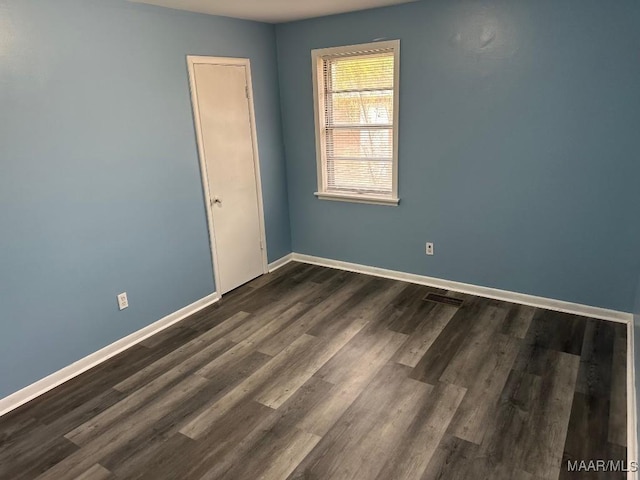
(358, 198)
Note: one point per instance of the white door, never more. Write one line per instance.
(226, 136)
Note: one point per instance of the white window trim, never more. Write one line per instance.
(318, 106)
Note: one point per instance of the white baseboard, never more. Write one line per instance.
(67, 373)
(632, 399)
(522, 298)
(281, 262)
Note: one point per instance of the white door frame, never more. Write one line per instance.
(193, 60)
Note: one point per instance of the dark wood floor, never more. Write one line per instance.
(316, 373)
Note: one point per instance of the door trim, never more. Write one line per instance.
(193, 60)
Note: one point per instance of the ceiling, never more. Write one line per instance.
(272, 11)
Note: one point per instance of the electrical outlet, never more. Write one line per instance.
(429, 250)
(123, 302)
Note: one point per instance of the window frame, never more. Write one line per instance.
(317, 58)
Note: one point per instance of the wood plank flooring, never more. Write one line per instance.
(316, 373)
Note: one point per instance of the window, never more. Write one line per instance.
(356, 108)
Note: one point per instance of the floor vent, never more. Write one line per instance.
(434, 297)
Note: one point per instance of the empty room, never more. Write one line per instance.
(328, 239)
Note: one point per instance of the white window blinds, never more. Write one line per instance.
(357, 121)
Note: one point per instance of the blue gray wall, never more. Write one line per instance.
(519, 146)
(100, 189)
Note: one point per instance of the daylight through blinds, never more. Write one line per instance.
(358, 122)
